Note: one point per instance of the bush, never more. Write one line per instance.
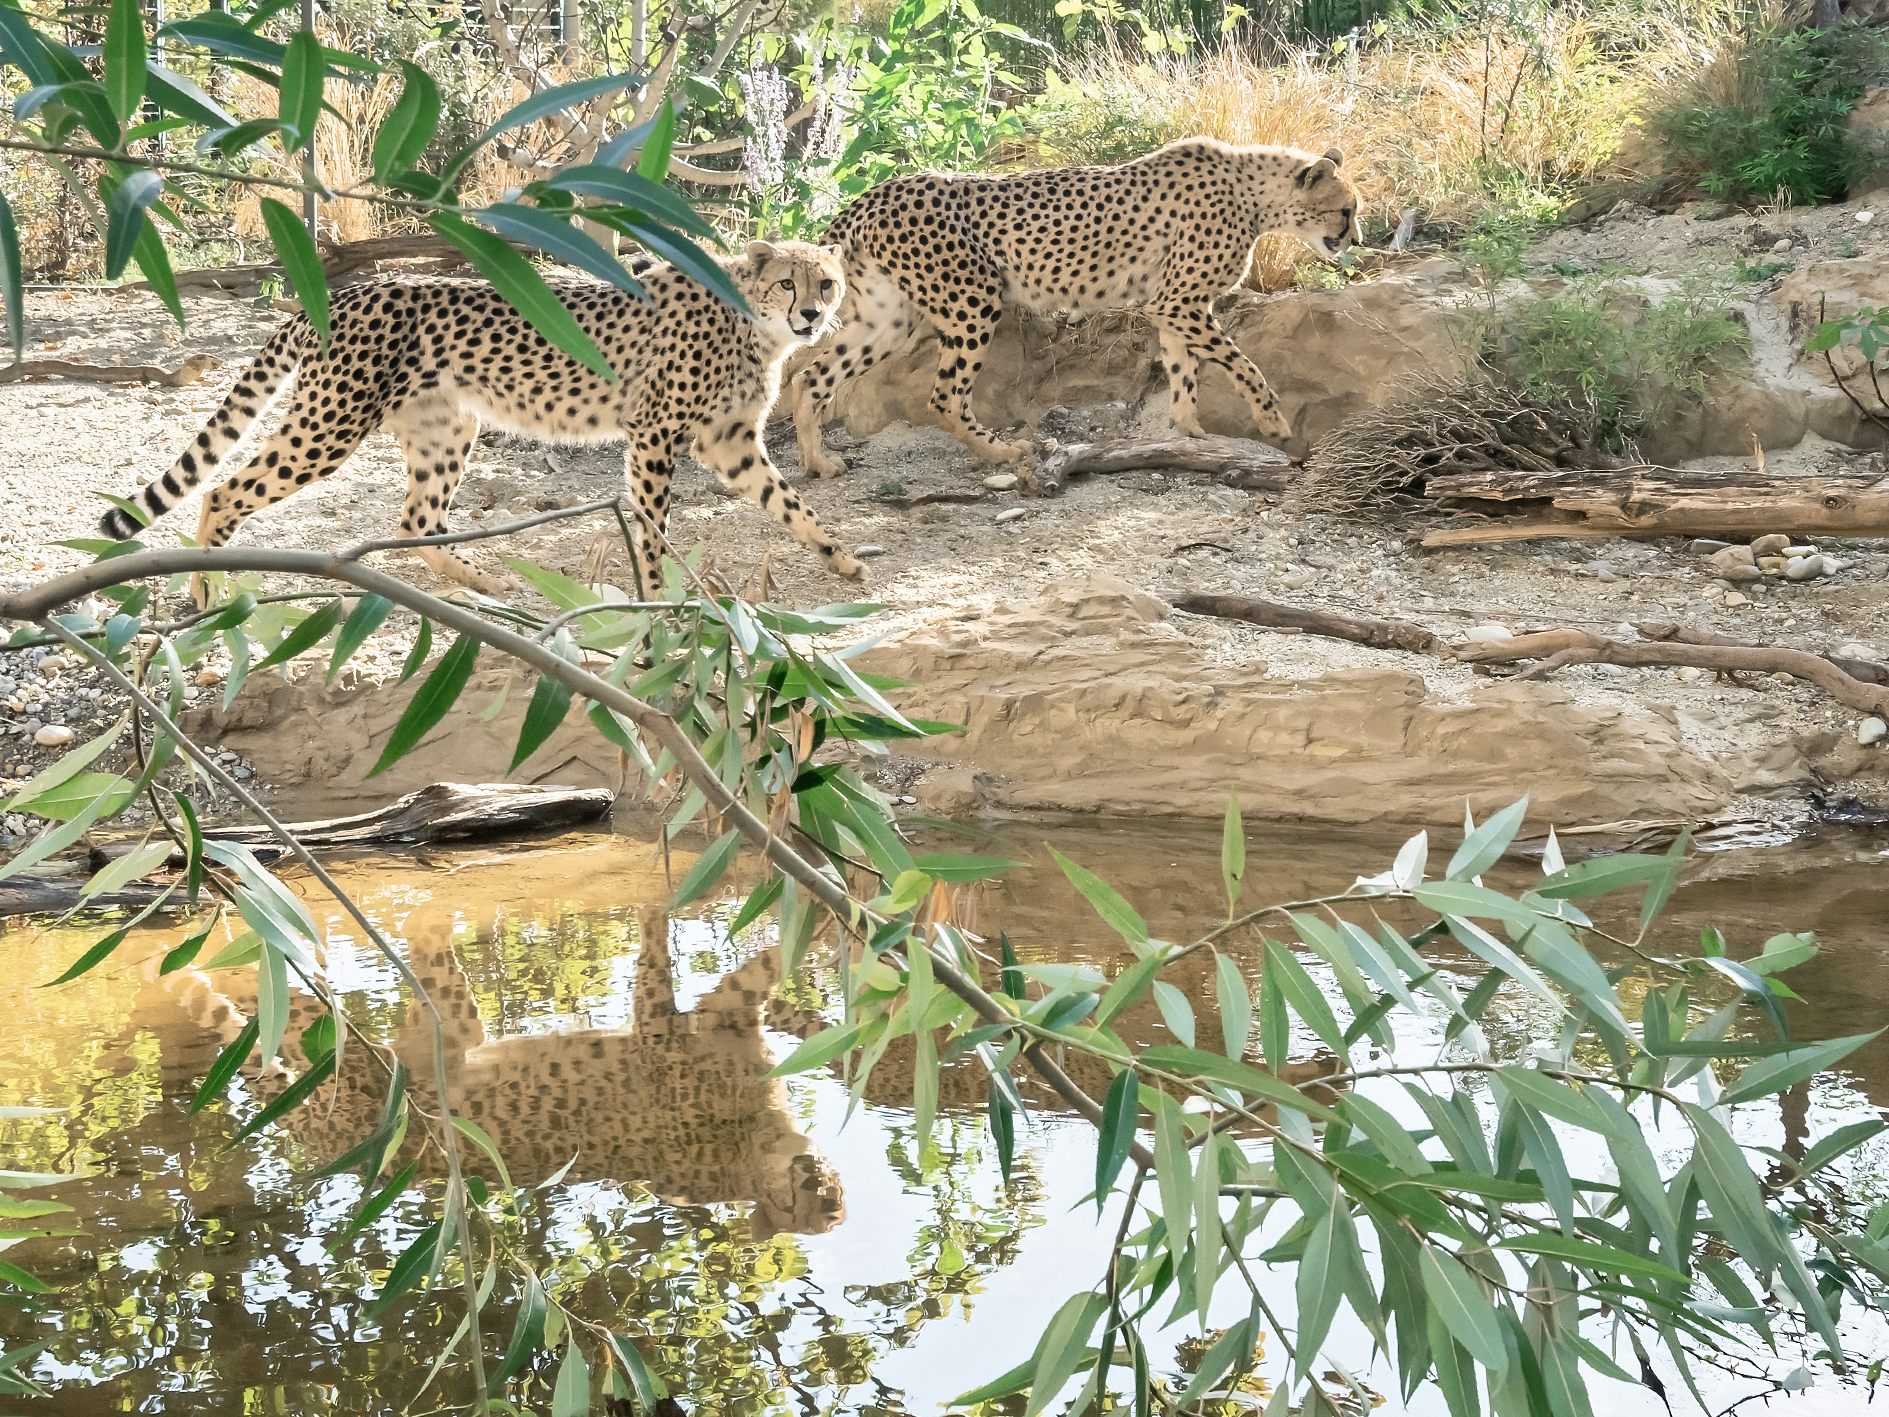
(1762, 118)
(1603, 350)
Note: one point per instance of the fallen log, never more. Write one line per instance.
(1663, 501)
(1555, 649)
(1233, 462)
(52, 895)
(191, 371)
(446, 811)
(1866, 670)
(1379, 634)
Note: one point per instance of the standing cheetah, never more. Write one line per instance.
(1165, 234)
(426, 359)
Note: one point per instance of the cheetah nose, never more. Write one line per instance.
(810, 313)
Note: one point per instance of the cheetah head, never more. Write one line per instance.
(793, 290)
(1322, 207)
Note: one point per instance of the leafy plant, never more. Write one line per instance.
(1775, 130)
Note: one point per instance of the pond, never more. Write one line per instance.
(767, 1251)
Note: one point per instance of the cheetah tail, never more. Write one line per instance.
(286, 348)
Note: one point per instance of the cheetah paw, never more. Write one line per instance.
(840, 564)
(1272, 426)
(824, 464)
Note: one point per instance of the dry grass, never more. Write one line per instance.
(1457, 125)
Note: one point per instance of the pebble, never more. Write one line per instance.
(52, 666)
(1298, 580)
(1772, 545)
(1602, 572)
(1690, 673)
(1734, 598)
(1705, 546)
(1010, 515)
(1487, 634)
(1001, 481)
(1798, 551)
(1855, 649)
(1871, 731)
(1732, 558)
(869, 549)
(53, 735)
(7, 685)
(1804, 568)
(211, 675)
(1740, 575)
(1781, 246)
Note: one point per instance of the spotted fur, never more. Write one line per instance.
(428, 359)
(1165, 234)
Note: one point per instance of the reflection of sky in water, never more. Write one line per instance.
(205, 1275)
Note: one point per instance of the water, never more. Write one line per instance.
(770, 1254)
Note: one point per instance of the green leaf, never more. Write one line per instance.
(1318, 1288)
(558, 239)
(817, 1051)
(552, 100)
(301, 264)
(422, 643)
(550, 702)
(225, 1066)
(14, 1277)
(1586, 1254)
(760, 900)
(12, 292)
(633, 190)
(132, 866)
(124, 59)
(571, 1396)
(1731, 1191)
(653, 165)
(155, 262)
(947, 867)
(437, 694)
(290, 1097)
(125, 218)
(1060, 1354)
(414, 1265)
(1236, 1004)
(90, 958)
(1176, 1012)
(524, 289)
(1239, 1075)
(175, 94)
(62, 770)
(366, 617)
(303, 73)
(649, 1388)
(1117, 913)
(405, 132)
(1121, 1114)
(687, 257)
(1843, 1139)
(1305, 997)
(1484, 846)
(1233, 853)
(1464, 1309)
(1173, 1175)
(1774, 1074)
(708, 869)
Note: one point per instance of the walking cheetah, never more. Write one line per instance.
(1165, 234)
(427, 358)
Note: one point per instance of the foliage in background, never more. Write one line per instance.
(1613, 355)
(1764, 118)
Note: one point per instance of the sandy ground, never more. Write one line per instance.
(61, 442)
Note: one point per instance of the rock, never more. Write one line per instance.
(52, 666)
(1298, 580)
(53, 735)
(1790, 551)
(1856, 649)
(1871, 731)
(1773, 565)
(1487, 634)
(1805, 568)
(869, 549)
(1734, 598)
(1010, 515)
(1831, 565)
(1602, 572)
(1772, 545)
(1781, 246)
(1742, 574)
(1705, 545)
(1001, 481)
(1732, 558)
(1690, 673)
(210, 675)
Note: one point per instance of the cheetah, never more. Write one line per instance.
(1165, 234)
(428, 358)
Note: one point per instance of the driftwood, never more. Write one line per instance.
(1660, 501)
(1866, 670)
(447, 811)
(339, 259)
(1379, 634)
(191, 371)
(1234, 462)
(1557, 648)
(48, 895)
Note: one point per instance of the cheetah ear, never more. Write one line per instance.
(759, 251)
(1312, 171)
(1335, 156)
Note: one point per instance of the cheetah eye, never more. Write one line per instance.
(826, 287)
(787, 285)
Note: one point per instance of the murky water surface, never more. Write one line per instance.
(771, 1254)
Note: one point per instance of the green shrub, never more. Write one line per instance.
(1764, 121)
(1605, 351)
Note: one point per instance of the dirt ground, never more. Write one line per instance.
(61, 442)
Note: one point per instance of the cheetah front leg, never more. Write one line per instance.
(875, 320)
(1183, 371)
(965, 310)
(648, 471)
(1205, 340)
(733, 451)
(436, 436)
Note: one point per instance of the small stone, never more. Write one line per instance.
(1690, 673)
(8, 686)
(1772, 565)
(1705, 546)
(1798, 551)
(869, 549)
(52, 666)
(1831, 565)
(1001, 481)
(1010, 515)
(1781, 246)
(241, 774)
(1804, 568)
(1298, 580)
(210, 675)
(1487, 634)
(1871, 731)
(1856, 649)
(32, 725)
(53, 735)
(1602, 572)
(1732, 558)
(1865, 218)
(226, 756)
(1740, 575)
(1772, 545)
(1732, 597)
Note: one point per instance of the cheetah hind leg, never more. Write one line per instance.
(876, 318)
(437, 436)
(1183, 371)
